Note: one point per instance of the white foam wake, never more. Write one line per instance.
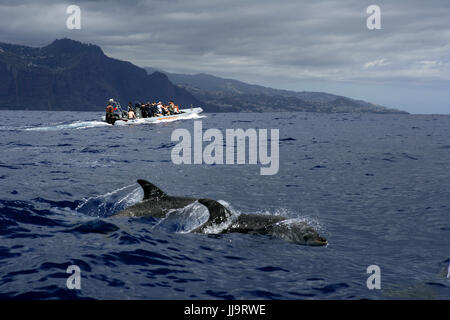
(73, 125)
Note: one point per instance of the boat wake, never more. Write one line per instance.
(69, 126)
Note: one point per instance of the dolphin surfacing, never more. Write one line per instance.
(156, 203)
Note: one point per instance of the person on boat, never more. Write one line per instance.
(130, 106)
(131, 114)
(165, 110)
(173, 108)
(149, 110)
(111, 116)
(154, 110)
(145, 110)
(160, 108)
(177, 110)
(109, 108)
(170, 107)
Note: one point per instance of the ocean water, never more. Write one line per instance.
(376, 186)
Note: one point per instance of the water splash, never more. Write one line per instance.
(192, 216)
(107, 204)
(219, 228)
(186, 219)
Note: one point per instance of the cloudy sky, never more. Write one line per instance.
(289, 44)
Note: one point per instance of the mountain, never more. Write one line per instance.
(70, 75)
(219, 95)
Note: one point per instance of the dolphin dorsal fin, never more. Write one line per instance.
(151, 191)
(217, 213)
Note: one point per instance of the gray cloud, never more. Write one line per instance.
(253, 39)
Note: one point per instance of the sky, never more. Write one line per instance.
(321, 45)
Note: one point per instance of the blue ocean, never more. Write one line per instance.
(377, 187)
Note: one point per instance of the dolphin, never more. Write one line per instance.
(156, 203)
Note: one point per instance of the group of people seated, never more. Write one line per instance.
(153, 109)
(144, 110)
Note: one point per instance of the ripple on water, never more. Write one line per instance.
(271, 269)
(140, 257)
